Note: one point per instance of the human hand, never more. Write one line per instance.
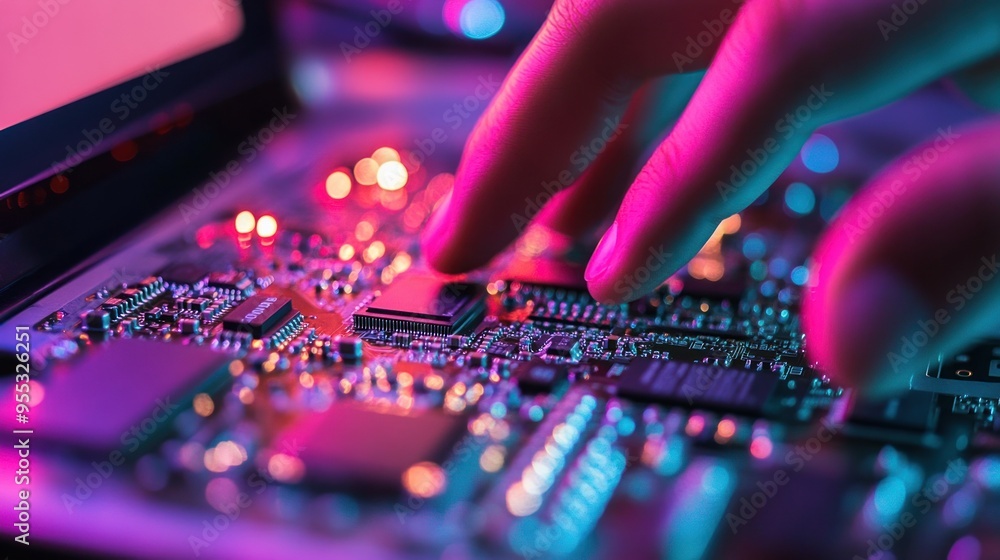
(777, 70)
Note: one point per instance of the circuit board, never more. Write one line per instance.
(497, 414)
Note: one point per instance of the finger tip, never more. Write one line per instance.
(441, 258)
(603, 295)
(857, 339)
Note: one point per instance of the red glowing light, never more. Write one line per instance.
(761, 447)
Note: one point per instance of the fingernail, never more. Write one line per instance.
(601, 259)
(436, 221)
(874, 327)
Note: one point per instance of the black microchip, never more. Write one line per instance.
(258, 314)
(352, 446)
(696, 385)
(184, 273)
(504, 349)
(913, 410)
(564, 347)
(537, 376)
(974, 372)
(423, 304)
(122, 394)
(235, 281)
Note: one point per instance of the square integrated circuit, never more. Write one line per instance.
(423, 305)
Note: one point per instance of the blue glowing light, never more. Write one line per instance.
(535, 413)
(498, 410)
(754, 247)
(988, 472)
(481, 19)
(768, 289)
(626, 426)
(779, 267)
(889, 496)
(715, 480)
(799, 198)
(820, 154)
(800, 275)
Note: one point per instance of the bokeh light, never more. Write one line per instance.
(800, 199)
(385, 154)
(338, 185)
(392, 176)
(820, 154)
(267, 226)
(481, 19)
(366, 171)
(245, 222)
(761, 447)
(425, 480)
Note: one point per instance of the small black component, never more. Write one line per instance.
(537, 376)
(974, 372)
(912, 410)
(235, 281)
(349, 347)
(151, 285)
(115, 308)
(97, 320)
(132, 296)
(423, 304)
(258, 314)
(504, 349)
(154, 315)
(478, 360)
(184, 273)
(564, 347)
(189, 326)
(193, 304)
(610, 344)
(697, 385)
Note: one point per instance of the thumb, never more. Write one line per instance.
(909, 269)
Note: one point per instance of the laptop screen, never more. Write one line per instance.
(101, 101)
(60, 52)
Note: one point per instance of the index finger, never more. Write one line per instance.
(785, 68)
(569, 88)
